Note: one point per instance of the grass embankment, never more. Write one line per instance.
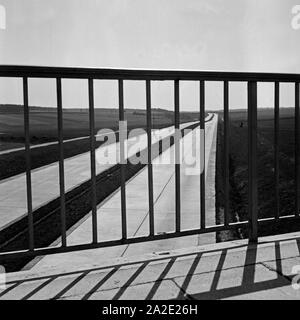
(266, 179)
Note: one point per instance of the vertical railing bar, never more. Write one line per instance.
(61, 162)
(226, 154)
(252, 160)
(150, 169)
(177, 156)
(122, 161)
(202, 174)
(93, 159)
(297, 146)
(276, 147)
(28, 164)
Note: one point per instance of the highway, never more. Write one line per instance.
(109, 212)
(45, 180)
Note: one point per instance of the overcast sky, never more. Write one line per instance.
(231, 35)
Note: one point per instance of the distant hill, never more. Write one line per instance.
(14, 108)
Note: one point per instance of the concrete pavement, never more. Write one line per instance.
(228, 270)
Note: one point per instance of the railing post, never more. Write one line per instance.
(28, 164)
(61, 163)
(252, 160)
(122, 161)
(202, 149)
(149, 146)
(93, 159)
(226, 154)
(177, 157)
(276, 147)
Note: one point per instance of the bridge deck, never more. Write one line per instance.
(228, 270)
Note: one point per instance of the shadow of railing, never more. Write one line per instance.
(101, 276)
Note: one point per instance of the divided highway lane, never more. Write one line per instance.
(109, 213)
(45, 181)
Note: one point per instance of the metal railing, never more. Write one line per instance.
(148, 76)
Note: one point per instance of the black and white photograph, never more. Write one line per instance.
(149, 153)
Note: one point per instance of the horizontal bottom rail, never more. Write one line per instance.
(113, 243)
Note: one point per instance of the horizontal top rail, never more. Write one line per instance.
(137, 74)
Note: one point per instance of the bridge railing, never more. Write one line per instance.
(148, 76)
